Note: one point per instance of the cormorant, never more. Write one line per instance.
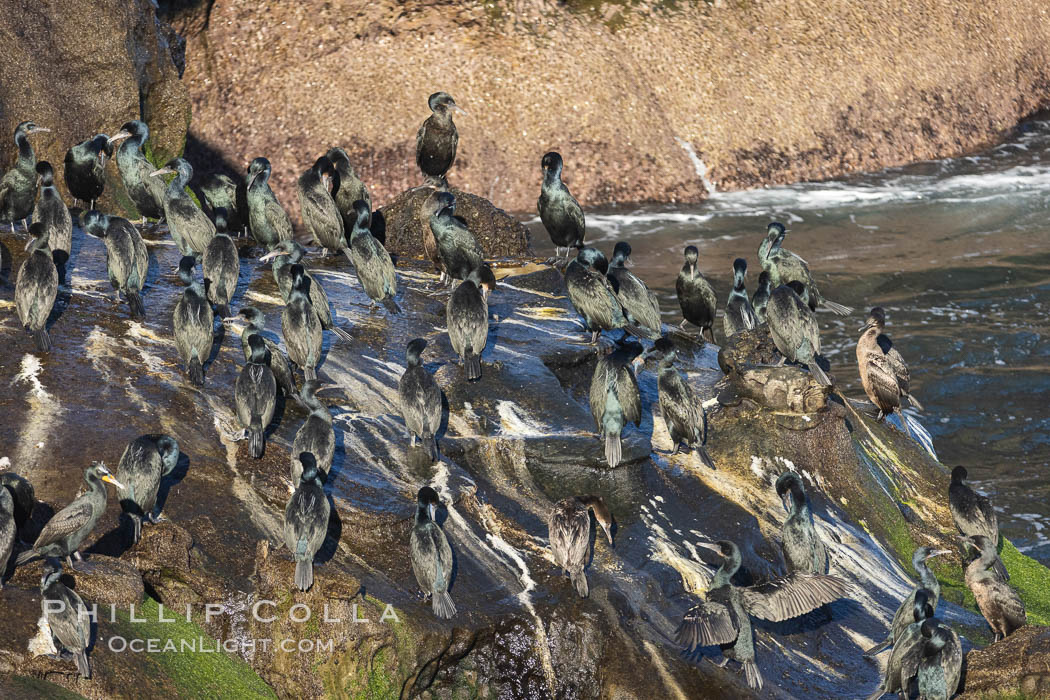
(794, 329)
(880, 374)
(269, 221)
(899, 368)
(784, 267)
(192, 322)
(22, 493)
(725, 617)
(695, 295)
(803, 549)
(941, 666)
(683, 415)
(420, 399)
(85, 169)
(145, 192)
(127, 258)
(53, 213)
(347, 188)
(300, 326)
(903, 664)
(222, 192)
(932, 590)
(1000, 604)
(458, 251)
(282, 371)
(18, 185)
(255, 395)
(569, 533)
(761, 296)
(372, 263)
(431, 554)
(36, 287)
(191, 229)
(740, 314)
(560, 213)
(222, 266)
(320, 215)
(146, 460)
(641, 309)
(8, 528)
(467, 318)
(591, 294)
(437, 139)
(316, 435)
(69, 527)
(306, 522)
(67, 617)
(974, 514)
(614, 397)
(286, 254)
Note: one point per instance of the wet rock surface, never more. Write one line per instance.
(1020, 664)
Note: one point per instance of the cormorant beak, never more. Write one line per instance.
(865, 327)
(937, 553)
(119, 136)
(608, 533)
(39, 130)
(326, 180)
(712, 546)
(639, 361)
(692, 271)
(785, 498)
(271, 255)
(327, 387)
(162, 171)
(456, 108)
(30, 243)
(431, 509)
(102, 158)
(628, 262)
(109, 478)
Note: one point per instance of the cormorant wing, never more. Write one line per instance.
(278, 219)
(66, 521)
(601, 380)
(747, 314)
(596, 297)
(682, 408)
(420, 136)
(899, 366)
(319, 302)
(793, 595)
(567, 539)
(882, 379)
(629, 396)
(5, 190)
(1011, 604)
(575, 211)
(706, 624)
(317, 205)
(636, 298)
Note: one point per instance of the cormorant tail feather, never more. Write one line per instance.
(754, 676)
(612, 449)
(304, 574)
(196, 372)
(839, 309)
(43, 340)
(138, 309)
(473, 365)
(443, 605)
(579, 579)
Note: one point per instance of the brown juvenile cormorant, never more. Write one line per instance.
(591, 294)
(255, 395)
(569, 533)
(316, 435)
(347, 188)
(941, 666)
(36, 287)
(458, 251)
(146, 460)
(974, 514)
(794, 329)
(903, 664)
(222, 267)
(431, 554)
(420, 399)
(191, 229)
(740, 314)
(1000, 604)
(374, 268)
(695, 295)
(22, 493)
(67, 617)
(560, 213)
(53, 214)
(320, 215)
(282, 371)
(69, 527)
(640, 306)
(761, 297)
(306, 522)
(614, 398)
(145, 192)
(928, 583)
(8, 528)
(725, 617)
(85, 169)
(683, 415)
(784, 267)
(885, 378)
(18, 185)
(269, 221)
(803, 549)
(467, 318)
(437, 139)
(192, 322)
(286, 254)
(223, 192)
(300, 326)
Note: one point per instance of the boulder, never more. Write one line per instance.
(1019, 664)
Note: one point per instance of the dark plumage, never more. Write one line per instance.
(269, 221)
(941, 665)
(761, 297)
(785, 267)
(803, 549)
(36, 288)
(795, 331)
(191, 229)
(560, 213)
(695, 295)
(53, 214)
(974, 514)
(740, 314)
(282, 371)
(569, 533)
(192, 322)
(85, 169)
(286, 254)
(320, 214)
(22, 493)
(437, 138)
(725, 618)
(467, 317)
(300, 326)
(145, 192)
(1000, 604)
(222, 267)
(930, 587)
(315, 435)
(420, 399)
(306, 522)
(431, 554)
(346, 187)
(641, 309)
(69, 527)
(614, 398)
(127, 258)
(223, 192)
(883, 374)
(67, 617)
(877, 319)
(255, 395)
(457, 251)
(592, 295)
(375, 269)
(8, 529)
(682, 413)
(146, 460)
(18, 185)
(903, 664)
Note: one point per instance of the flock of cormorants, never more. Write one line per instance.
(336, 210)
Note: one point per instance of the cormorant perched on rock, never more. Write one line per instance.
(53, 214)
(467, 318)
(192, 322)
(269, 221)
(127, 258)
(932, 590)
(8, 528)
(431, 554)
(191, 229)
(683, 415)
(873, 342)
(18, 185)
(306, 522)
(903, 664)
(69, 527)
(420, 399)
(223, 192)
(784, 267)
(320, 215)
(569, 533)
(614, 397)
(761, 296)
(794, 329)
(22, 493)
(640, 306)
(146, 460)
(437, 139)
(316, 435)
(300, 326)
(803, 549)
(740, 314)
(375, 269)
(255, 395)
(67, 617)
(591, 294)
(974, 514)
(222, 267)
(457, 250)
(145, 192)
(560, 213)
(941, 666)
(1000, 604)
(695, 295)
(286, 254)
(346, 187)
(282, 371)
(36, 287)
(725, 618)
(85, 169)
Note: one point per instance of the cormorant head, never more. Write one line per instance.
(52, 572)
(936, 636)
(414, 352)
(763, 281)
(45, 174)
(186, 269)
(590, 257)
(100, 146)
(922, 607)
(27, 128)
(438, 202)
(978, 543)
(362, 214)
(691, 256)
(253, 316)
(724, 548)
(179, 166)
(485, 280)
(923, 553)
(876, 320)
(219, 214)
(789, 488)
(622, 255)
(39, 236)
(663, 349)
(552, 163)
(135, 128)
(775, 230)
(338, 156)
(99, 470)
(260, 354)
(94, 223)
(169, 452)
(323, 170)
(740, 269)
(300, 281)
(310, 471)
(601, 514)
(258, 169)
(427, 501)
(442, 103)
(959, 474)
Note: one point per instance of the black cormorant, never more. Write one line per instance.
(18, 185)
(300, 326)
(192, 322)
(375, 269)
(932, 590)
(1000, 604)
(803, 549)
(222, 267)
(67, 617)
(614, 397)
(740, 314)
(85, 169)
(569, 533)
(784, 267)
(146, 460)
(255, 395)
(974, 514)
(457, 249)
(53, 214)
(282, 371)
(8, 528)
(695, 295)
(286, 254)
(316, 435)
(894, 364)
(223, 192)
(145, 192)
(794, 329)
(127, 258)
(683, 415)
(467, 318)
(560, 213)
(36, 287)
(22, 493)
(431, 554)
(420, 399)
(903, 664)
(591, 294)
(191, 229)
(437, 139)
(941, 666)
(761, 297)
(306, 522)
(269, 221)
(881, 375)
(347, 188)
(320, 215)
(641, 309)
(725, 617)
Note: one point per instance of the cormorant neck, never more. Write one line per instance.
(25, 150)
(927, 577)
(552, 176)
(422, 513)
(738, 283)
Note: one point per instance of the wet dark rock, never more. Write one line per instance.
(1019, 664)
(171, 567)
(749, 361)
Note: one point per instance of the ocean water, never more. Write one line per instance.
(958, 253)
